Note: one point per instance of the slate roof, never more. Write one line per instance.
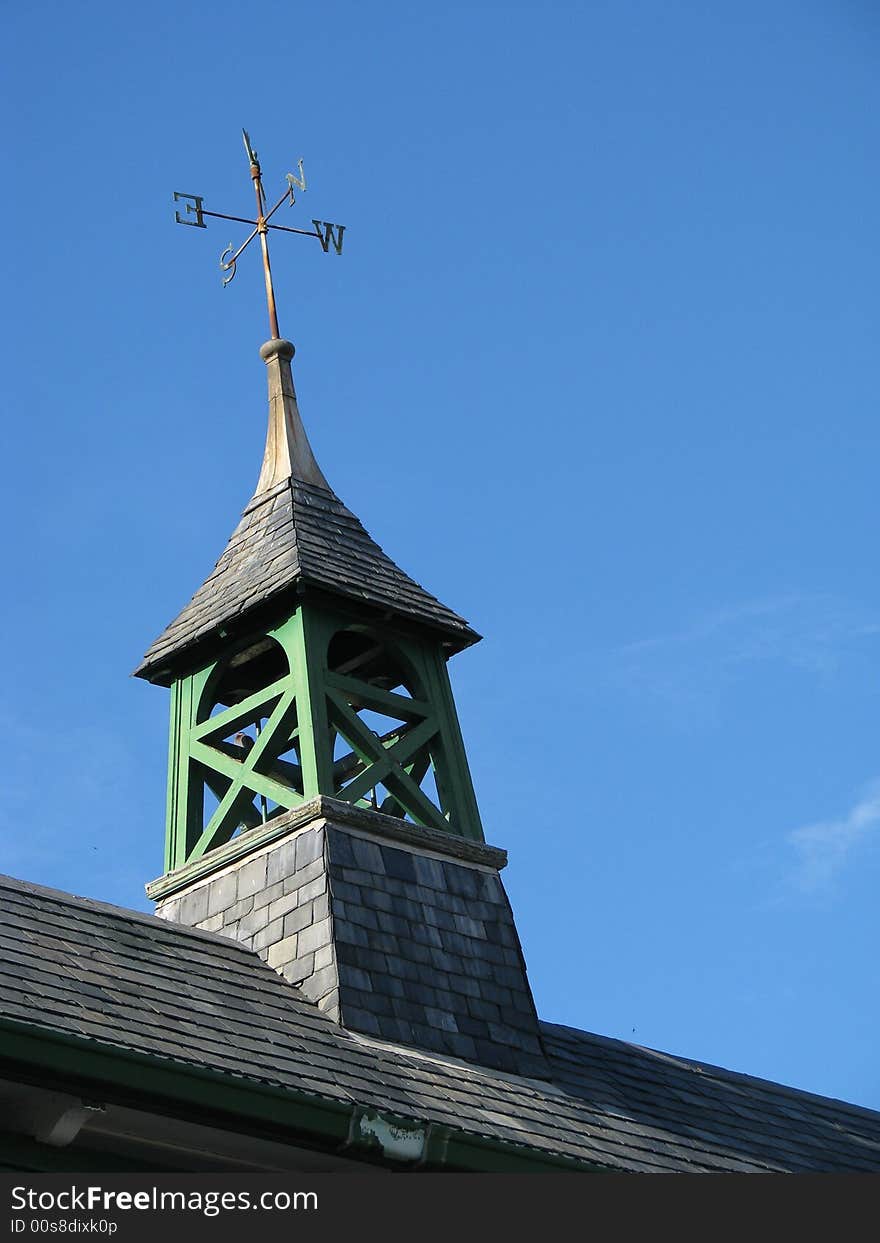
(428, 954)
(132, 981)
(298, 533)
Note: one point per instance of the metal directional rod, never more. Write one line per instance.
(263, 230)
(327, 234)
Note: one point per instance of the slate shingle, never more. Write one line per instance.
(297, 533)
(443, 956)
(206, 1001)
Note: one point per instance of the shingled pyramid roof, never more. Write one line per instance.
(295, 531)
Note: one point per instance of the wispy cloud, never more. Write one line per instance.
(690, 668)
(823, 849)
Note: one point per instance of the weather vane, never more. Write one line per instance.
(327, 234)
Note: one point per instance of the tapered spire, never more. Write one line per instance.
(288, 452)
(294, 535)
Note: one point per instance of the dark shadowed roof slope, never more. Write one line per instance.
(122, 980)
(299, 533)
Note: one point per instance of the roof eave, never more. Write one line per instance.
(163, 670)
(305, 1118)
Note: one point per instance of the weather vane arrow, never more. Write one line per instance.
(327, 234)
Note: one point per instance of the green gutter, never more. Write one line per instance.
(18, 1152)
(177, 1088)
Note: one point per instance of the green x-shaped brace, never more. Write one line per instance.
(243, 713)
(386, 764)
(245, 780)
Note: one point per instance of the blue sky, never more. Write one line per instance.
(598, 366)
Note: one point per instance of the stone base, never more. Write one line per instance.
(395, 931)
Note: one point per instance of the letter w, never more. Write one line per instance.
(329, 235)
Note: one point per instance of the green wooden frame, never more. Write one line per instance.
(306, 711)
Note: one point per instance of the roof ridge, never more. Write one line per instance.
(712, 1070)
(126, 913)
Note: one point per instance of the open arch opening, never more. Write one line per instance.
(246, 751)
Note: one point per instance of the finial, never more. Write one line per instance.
(326, 233)
(288, 453)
